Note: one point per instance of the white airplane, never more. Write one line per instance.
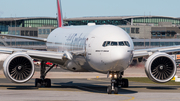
(97, 48)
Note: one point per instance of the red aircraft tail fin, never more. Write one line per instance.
(59, 12)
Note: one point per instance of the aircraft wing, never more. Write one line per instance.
(56, 57)
(25, 37)
(150, 51)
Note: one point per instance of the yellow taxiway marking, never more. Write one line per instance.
(132, 97)
(92, 79)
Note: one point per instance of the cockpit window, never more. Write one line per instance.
(121, 43)
(114, 43)
(127, 43)
(108, 43)
(104, 44)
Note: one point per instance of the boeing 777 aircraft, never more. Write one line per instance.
(93, 48)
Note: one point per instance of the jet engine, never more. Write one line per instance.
(18, 67)
(160, 67)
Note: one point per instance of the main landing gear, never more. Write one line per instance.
(42, 82)
(116, 80)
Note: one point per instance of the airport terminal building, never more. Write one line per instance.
(144, 30)
(35, 22)
(123, 20)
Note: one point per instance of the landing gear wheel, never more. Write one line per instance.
(38, 83)
(109, 90)
(115, 90)
(125, 83)
(47, 82)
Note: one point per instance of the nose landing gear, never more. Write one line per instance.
(113, 87)
(116, 81)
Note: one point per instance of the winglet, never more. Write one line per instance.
(59, 12)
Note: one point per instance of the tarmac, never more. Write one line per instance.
(91, 89)
(75, 86)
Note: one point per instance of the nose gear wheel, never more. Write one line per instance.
(116, 82)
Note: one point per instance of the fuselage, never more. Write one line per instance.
(105, 47)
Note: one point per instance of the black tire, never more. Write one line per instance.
(47, 82)
(109, 90)
(38, 83)
(125, 83)
(115, 90)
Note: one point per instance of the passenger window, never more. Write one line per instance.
(113, 43)
(108, 43)
(127, 43)
(104, 44)
(121, 43)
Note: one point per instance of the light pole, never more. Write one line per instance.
(15, 29)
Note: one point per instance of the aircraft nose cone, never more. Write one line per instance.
(119, 54)
(122, 56)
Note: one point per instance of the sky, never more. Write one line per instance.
(89, 8)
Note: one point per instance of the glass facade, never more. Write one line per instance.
(99, 22)
(124, 20)
(13, 32)
(157, 44)
(155, 20)
(127, 29)
(5, 24)
(163, 34)
(135, 30)
(39, 22)
(44, 31)
(29, 22)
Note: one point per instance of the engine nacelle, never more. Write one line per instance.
(160, 67)
(18, 67)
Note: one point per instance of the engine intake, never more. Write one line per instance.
(18, 67)
(160, 67)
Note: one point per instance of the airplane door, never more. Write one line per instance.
(89, 47)
(93, 52)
